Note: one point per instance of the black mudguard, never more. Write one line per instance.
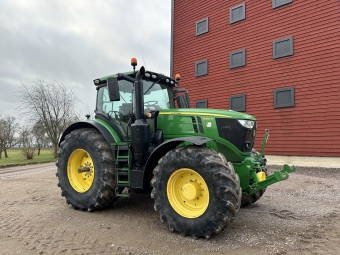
(89, 124)
(163, 148)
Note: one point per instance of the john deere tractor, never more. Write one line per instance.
(198, 164)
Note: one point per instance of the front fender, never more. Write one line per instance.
(163, 148)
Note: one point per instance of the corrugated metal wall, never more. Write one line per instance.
(312, 126)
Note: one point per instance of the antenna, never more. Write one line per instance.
(144, 62)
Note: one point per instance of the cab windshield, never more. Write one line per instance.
(157, 96)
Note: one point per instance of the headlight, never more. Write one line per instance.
(247, 123)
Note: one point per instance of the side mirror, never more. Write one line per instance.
(113, 88)
(183, 100)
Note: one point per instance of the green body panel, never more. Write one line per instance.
(214, 113)
(245, 171)
(179, 123)
(110, 129)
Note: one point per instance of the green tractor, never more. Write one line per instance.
(198, 164)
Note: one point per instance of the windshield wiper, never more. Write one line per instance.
(122, 97)
(151, 86)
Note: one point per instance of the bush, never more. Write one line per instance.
(28, 152)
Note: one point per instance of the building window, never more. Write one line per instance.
(278, 3)
(201, 67)
(238, 103)
(237, 58)
(284, 97)
(201, 103)
(237, 13)
(202, 26)
(283, 47)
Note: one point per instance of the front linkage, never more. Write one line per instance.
(277, 176)
(260, 180)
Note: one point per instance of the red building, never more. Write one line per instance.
(278, 60)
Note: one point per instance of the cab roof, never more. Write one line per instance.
(149, 75)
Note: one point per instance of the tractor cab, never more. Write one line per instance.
(158, 94)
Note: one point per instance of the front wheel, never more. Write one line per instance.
(86, 170)
(196, 191)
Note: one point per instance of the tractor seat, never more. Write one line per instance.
(125, 109)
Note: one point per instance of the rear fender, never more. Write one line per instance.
(163, 148)
(109, 134)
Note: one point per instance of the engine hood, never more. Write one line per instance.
(214, 113)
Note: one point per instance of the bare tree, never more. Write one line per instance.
(8, 128)
(39, 133)
(25, 136)
(52, 103)
(27, 140)
(2, 135)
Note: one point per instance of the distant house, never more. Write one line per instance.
(278, 60)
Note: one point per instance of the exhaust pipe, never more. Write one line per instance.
(140, 129)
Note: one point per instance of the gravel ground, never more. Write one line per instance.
(296, 216)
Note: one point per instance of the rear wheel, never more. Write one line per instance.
(196, 191)
(86, 170)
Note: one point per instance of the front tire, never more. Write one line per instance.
(196, 191)
(94, 187)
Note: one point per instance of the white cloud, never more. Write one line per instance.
(77, 41)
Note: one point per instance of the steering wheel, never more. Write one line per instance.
(151, 103)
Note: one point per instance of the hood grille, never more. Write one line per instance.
(232, 131)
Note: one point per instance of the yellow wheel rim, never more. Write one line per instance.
(80, 159)
(188, 193)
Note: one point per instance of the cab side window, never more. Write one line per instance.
(118, 112)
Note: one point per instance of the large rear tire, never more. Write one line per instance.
(196, 191)
(94, 187)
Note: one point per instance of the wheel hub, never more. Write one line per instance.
(80, 170)
(191, 190)
(188, 193)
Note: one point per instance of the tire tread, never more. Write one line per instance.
(227, 189)
(104, 194)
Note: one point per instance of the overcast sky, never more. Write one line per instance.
(77, 41)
